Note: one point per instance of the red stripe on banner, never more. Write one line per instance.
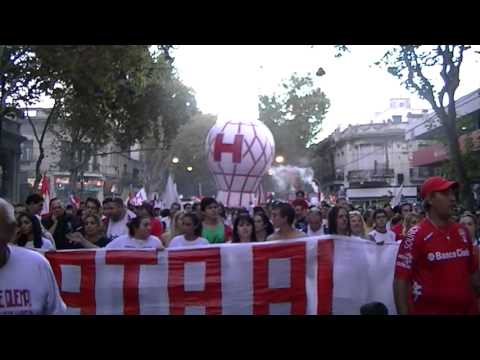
(210, 297)
(85, 299)
(263, 295)
(325, 277)
(131, 261)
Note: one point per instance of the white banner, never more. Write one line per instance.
(323, 275)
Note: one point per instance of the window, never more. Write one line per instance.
(27, 150)
(397, 118)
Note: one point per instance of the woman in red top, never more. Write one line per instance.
(156, 226)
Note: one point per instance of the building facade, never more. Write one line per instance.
(10, 150)
(370, 163)
(113, 174)
(433, 154)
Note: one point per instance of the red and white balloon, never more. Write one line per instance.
(239, 155)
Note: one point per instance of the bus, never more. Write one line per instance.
(91, 185)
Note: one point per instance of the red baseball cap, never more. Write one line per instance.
(435, 184)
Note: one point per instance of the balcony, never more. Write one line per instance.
(419, 174)
(370, 175)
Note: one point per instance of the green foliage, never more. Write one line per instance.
(294, 116)
(415, 66)
(189, 147)
(19, 78)
(116, 94)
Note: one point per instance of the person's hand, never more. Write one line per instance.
(18, 234)
(76, 238)
(160, 247)
(54, 218)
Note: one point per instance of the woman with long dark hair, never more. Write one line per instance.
(339, 221)
(93, 236)
(263, 226)
(192, 233)
(244, 229)
(139, 236)
(29, 233)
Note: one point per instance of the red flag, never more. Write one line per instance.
(45, 191)
(75, 201)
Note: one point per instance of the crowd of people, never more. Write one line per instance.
(113, 224)
(438, 244)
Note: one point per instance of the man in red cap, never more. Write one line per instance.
(436, 272)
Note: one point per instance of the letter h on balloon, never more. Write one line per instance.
(235, 149)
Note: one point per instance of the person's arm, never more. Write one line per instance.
(408, 252)
(78, 238)
(52, 229)
(400, 293)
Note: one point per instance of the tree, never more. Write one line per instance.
(416, 66)
(295, 116)
(19, 80)
(98, 88)
(465, 125)
(189, 148)
(411, 64)
(172, 104)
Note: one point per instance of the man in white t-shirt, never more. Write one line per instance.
(27, 283)
(315, 223)
(381, 235)
(118, 218)
(129, 242)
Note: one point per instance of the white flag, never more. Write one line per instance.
(140, 197)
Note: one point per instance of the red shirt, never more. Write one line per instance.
(438, 262)
(156, 227)
(398, 230)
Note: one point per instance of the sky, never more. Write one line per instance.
(227, 79)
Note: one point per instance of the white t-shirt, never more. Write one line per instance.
(128, 242)
(315, 233)
(28, 286)
(387, 238)
(167, 221)
(46, 245)
(119, 228)
(180, 241)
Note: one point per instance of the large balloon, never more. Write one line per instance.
(239, 154)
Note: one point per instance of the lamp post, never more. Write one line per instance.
(279, 159)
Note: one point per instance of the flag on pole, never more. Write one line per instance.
(45, 191)
(75, 201)
(398, 197)
(129, 199)
(140, 197)
(170, 195)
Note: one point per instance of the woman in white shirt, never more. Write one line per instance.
(192, 231)
(176, 229)
(139, 236)
(29, 233)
